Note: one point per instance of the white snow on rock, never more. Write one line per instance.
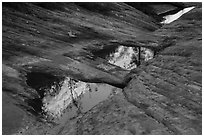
(171, 18)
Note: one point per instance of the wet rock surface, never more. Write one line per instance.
(44, 44)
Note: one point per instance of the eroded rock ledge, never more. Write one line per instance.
(161, 96)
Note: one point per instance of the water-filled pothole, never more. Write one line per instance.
(40, 82)
(59, 96)
(171, 18)
(126, 57)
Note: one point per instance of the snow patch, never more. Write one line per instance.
(171, 18)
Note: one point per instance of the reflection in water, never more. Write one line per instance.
(58, 95)
(125, 57)
(83, 95)
(96, 94)
(146, 54)
(171, 18)
(128, 57)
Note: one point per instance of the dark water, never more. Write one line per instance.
(62, 99)
(40, 82)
